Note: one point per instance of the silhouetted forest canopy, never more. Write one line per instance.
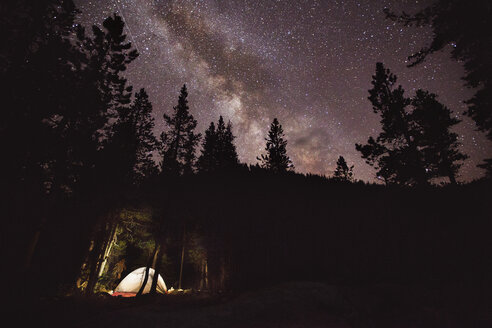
(90, 193)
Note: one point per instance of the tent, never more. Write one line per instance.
(131, 284)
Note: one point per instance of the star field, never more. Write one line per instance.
(309, 63)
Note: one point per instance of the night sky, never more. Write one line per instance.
(309, 63)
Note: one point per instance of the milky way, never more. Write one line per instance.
(308, 63)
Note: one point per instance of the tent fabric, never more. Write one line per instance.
(131, 284)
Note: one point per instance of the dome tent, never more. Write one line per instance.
(131, 284)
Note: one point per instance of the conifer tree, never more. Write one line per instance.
(208, 160)
(110, 54)
(38, 61)
(416, 144)
(229, 158)
(276, 158)
(147, 142)
(394, 152)
(461, 25)
(180, 141)
(432, 122)
(343, 172)
(133, 141)
(219, 151)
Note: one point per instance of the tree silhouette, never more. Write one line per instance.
(432, 122)
(111, 55)
(276, 158)
(180, 141)
(50, 117)
(219, 151)
(147, 142)
(207, 162)
(464, 26)
(38, 61)
(415, 144)
(133, 141)
(108, 56)
(343, 172)
(394, 152)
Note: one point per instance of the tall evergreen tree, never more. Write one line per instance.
(343, 172)
(180, 141)
(147, 142)
(432, 122)
(276, 158)
(219, 151)
(39, 67)
(394, 152)
(133, 141)
(416, 144)
(207, 162)
(110, 56)
(463, 26)
(229, 158)
(37, 59)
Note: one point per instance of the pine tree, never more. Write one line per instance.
(461, 25)
(219, 151)
(180, 141)
(208, 159)
(41, 109)
(432, 121)
(147, 142)
(276, 158)
(110, 54)
(415, 145)
(394, 152)
(229, 158)
(133, 141)
(110, 57)
(38, 61)
(343, 172)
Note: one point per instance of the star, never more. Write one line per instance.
(309, 64)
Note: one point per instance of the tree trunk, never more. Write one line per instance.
(97, 257)
(144, 282)
(182, 258)
(157, 269)
(204, 276)
(150, 263)
(107, 250)
(154, 260)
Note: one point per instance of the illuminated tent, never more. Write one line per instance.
(131, 284)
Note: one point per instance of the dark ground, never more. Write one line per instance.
(299, 304)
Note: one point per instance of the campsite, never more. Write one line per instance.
(422, 270)
(232, 163)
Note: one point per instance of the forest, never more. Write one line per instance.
(91, 193)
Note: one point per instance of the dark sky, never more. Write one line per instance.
(309, 63)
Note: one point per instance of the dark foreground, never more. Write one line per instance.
(301, 304)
